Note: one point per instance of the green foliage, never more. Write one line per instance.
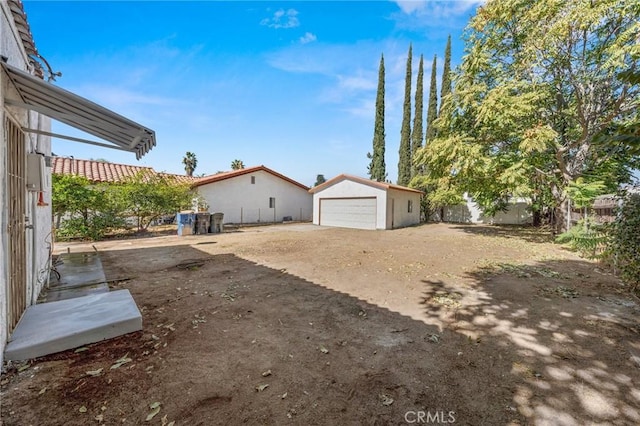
(89, 210)
(377, 168)
(92, 210)
(147, 197)
(540, 84)
(319, 180)
(404, 154)
(625, 243)
(438, 194)
(583, 193)
(432, 112)
(237, 165)
(417, 132)
(190, 163)
(587, 238)
(445, 88)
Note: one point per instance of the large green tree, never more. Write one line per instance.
(432, 112)
(404, 152)
(539, 83)
(377, 168)
(417, 132)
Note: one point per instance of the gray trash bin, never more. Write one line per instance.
(216, 223)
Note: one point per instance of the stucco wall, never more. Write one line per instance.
(39, 216)
(516, 214)
(350, 189)
(244, 202)
(401, 215)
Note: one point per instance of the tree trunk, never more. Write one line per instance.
(537, 218)
(562, 216)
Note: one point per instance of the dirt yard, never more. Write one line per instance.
(295, 324)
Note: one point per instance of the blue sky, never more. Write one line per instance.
(290, 85)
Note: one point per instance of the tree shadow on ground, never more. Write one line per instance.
(217, 332)
(527, 233)
(569, 332)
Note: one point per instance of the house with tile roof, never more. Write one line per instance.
(255, 195)
(104, 172)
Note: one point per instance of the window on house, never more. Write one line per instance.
(410, 206)
(272, 203)
(253, 180)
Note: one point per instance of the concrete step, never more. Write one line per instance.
(52, 327)
(81, 274)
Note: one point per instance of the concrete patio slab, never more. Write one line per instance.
(81, 274)
(52, 327)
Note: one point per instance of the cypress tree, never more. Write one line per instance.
(377, 169)
(445, 89)
(404, 162)
(432, 113)
(416, 132)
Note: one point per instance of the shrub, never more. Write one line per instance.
(587, 238)
(625, 244)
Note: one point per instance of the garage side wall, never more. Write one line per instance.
(348, 189)
(242, 201)
(406, 208)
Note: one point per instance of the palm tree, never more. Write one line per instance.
(237, 165)
(190, 162)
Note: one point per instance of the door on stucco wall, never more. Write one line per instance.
(16, 223)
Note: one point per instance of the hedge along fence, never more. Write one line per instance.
(616, 243)
(625, 241)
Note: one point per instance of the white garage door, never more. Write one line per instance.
(348, 212)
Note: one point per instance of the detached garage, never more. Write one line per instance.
(353, 202)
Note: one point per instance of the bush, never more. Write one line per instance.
(95, 227)
(587, 238)
(625, 244)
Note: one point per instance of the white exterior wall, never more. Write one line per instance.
(516, 214)
(39, 216)
(350, 189)
(244, 202)
(401, 215)
(470, 212)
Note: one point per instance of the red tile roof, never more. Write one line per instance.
(375, 184)
(234, 173)
(98, 171)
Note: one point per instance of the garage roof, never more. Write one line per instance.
(382, 185)
(76, 111)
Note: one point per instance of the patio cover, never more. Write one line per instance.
(78, 112)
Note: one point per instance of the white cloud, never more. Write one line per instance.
(308, 38)
(358, 82)
(438, 8)
(352, 74)
(282, 19)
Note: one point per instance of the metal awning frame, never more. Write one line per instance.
(78, 112)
